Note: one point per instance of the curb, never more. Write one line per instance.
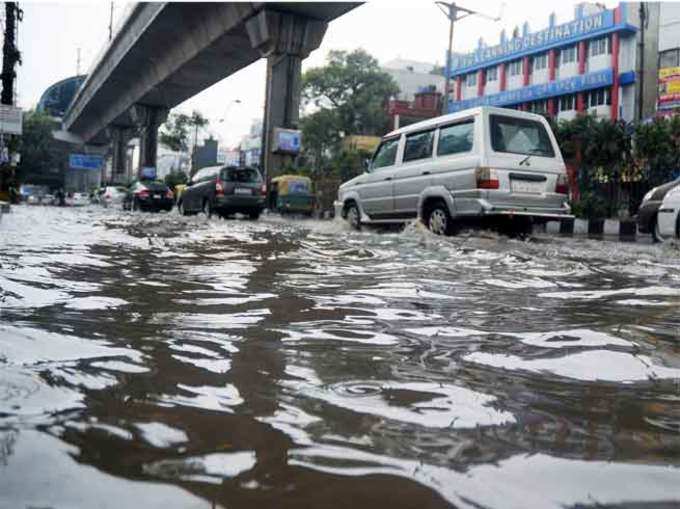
(595, 228)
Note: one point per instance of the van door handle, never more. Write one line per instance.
(425, 173)
(388, 178)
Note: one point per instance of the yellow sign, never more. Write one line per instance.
(360, 142)
(667, 72)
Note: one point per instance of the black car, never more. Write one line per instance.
(646, 216)
(148, 195)
(224, 191)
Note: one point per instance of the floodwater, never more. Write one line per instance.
(156, 361)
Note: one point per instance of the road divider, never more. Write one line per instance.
(625, 230)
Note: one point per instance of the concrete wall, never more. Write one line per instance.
(669, 25)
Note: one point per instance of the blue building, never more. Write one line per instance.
(587, 64)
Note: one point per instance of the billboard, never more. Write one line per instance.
(85, 162)
(148, 173)
(669, 90)
(287, 141)
(10, 119)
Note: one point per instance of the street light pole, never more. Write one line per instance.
(454, 13)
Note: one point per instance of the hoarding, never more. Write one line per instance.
(669, 90)
(11, 119)
(148, 173)
(85, 162)
(287, 141)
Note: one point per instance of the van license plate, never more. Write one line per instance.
(242, 190)
(156, 196)
(526, 186)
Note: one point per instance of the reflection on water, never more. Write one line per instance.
(162, 361)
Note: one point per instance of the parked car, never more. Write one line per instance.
(224, 190)
(148, 195)
(79, 200)
(647, 213)
(668, 215)
(33, 199)
(481, 162)
(110, 195)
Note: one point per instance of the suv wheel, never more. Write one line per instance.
(353, 217)
(656, 232)
(254, 215)
(439, 220)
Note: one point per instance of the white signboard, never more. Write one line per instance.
(10, 119)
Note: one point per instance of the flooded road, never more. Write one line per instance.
(158, 361)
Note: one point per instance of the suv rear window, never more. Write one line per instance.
(520, 136)
(240, 175)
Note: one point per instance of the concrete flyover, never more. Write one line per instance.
(165, 53)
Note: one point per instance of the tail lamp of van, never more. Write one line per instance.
(486, 178)
(219, 188)
(562, 185)
(263, 189)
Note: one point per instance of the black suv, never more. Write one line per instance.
(224, 190)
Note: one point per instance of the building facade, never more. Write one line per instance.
(589, 64)
(669, 59)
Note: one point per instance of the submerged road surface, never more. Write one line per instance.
(158, 361)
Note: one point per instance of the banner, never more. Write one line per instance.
(669, 90)
(85, 162)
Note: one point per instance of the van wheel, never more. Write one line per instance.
(207, 208)
(352, 215)
(438, 219)
(254, 215)
(677, 226)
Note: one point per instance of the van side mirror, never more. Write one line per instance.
(367, 165)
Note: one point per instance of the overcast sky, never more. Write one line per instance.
(51, 34)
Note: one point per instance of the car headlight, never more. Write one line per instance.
(649, 195)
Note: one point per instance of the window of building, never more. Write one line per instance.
(568, 55)
(567, 102)
(386, 154)
(471, 79)
(600, 46)
(540, 61)
(515, 68)
(492, 74)
(418, 146)
(456, 138)
(599, 97)
(669, 58)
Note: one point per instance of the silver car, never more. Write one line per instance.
(476, 163)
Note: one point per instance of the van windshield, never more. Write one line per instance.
(520, 136)
(240, 175)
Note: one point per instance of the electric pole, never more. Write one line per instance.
(111, 22)
(455, 13)
(78, 63)
(10, 53)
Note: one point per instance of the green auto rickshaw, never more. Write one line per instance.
(291, 194)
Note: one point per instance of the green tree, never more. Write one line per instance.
(40, 158)
(178, 129)
(349, 94)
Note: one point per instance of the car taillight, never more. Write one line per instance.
(219, 188)
(486, 178)
(144, 193)
(562, 185)
(107, 196)
(169, 194)
(263, 189)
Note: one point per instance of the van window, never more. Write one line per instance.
(520, 136)
(456, 138)
(240, 175)
(418, 146)
(386, 154)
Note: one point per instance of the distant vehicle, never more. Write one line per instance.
(647, 213)
(110, 195)
(48, 199)
(291, 194)
(481, 162)
(33, 199)
(668, 215)
(149, 196)
(79, 199)
(224, 190)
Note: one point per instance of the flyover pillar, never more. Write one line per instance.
(148, 119)
(119, 140)
(284, 39)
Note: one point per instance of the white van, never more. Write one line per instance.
(483, 161)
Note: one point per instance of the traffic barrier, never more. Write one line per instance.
(625, 230)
